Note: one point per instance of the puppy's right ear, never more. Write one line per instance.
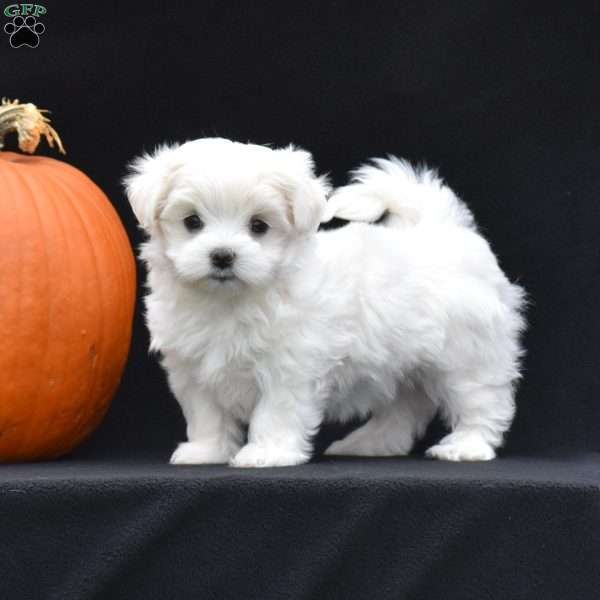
(149, 182)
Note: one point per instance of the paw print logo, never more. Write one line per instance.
(24, 31)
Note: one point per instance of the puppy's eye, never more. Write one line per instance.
(258, 226)
(193, 223)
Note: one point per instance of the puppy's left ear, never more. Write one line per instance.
(305, 191)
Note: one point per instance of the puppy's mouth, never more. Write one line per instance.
(222, 276)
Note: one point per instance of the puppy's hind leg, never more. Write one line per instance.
(392, 429)
(479, 415)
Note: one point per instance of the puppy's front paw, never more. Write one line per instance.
(253, 455)
(197, 453)
(461, 446)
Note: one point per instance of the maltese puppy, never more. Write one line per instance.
(263, 321)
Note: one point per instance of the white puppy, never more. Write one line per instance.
(261, 320)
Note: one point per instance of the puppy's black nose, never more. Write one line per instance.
(222, 258)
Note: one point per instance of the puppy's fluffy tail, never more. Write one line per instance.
(399, 195)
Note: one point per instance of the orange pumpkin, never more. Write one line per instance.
(67, 292)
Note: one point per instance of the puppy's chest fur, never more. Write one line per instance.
(228, 369)
(218, 349)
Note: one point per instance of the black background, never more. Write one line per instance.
(502, 96)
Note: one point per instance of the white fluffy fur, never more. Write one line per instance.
(395, 321)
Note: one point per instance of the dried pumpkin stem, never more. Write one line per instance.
(30, 123)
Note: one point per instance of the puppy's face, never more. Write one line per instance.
(229, 230)
(227, 215)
